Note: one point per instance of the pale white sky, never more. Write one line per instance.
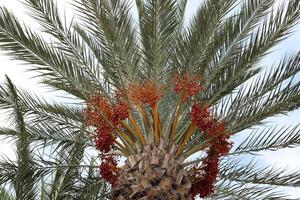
(17, 72)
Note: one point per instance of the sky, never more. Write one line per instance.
(22, 78)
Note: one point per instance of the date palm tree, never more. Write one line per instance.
(159, 99)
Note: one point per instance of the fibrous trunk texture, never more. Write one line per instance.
(153, 173)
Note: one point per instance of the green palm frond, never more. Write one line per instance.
(199, 37)
(25, 178)
(26, 174)
(274, 28)
(277, 102)
(8, 132)
(250, 173)
(46, 12)
(112, 26)
(31, 48)
(158, 21)
(64, 179)
(272, 138)
(263, 84)
(240, 191)
(48, 16)
(45, 121)
(93, 187)
(8, 171)
(4, 195)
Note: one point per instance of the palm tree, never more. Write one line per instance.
(165, 97)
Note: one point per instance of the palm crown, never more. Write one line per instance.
(165, 96)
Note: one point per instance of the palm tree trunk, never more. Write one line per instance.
(153, 173)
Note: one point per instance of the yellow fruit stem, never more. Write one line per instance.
(145, 118)
(137, 129)
(156, 123)
(195, 149)
(175, 121)
(124, 136)
(204, 145)
(129, 129)
(187, 135)
(121, 148)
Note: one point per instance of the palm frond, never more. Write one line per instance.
(275, 28)
(159, 22)
(263, 83)
(237, 191)
(197, 39)
(112, 24)
(25, 179)
(4, 195)
(250, 173)
(279, 101)
(7, 132)
(272, 138)
(65, 178)
(46, 12)
(8, 171)
(93, 187)
(53, 122)
(31, 48)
